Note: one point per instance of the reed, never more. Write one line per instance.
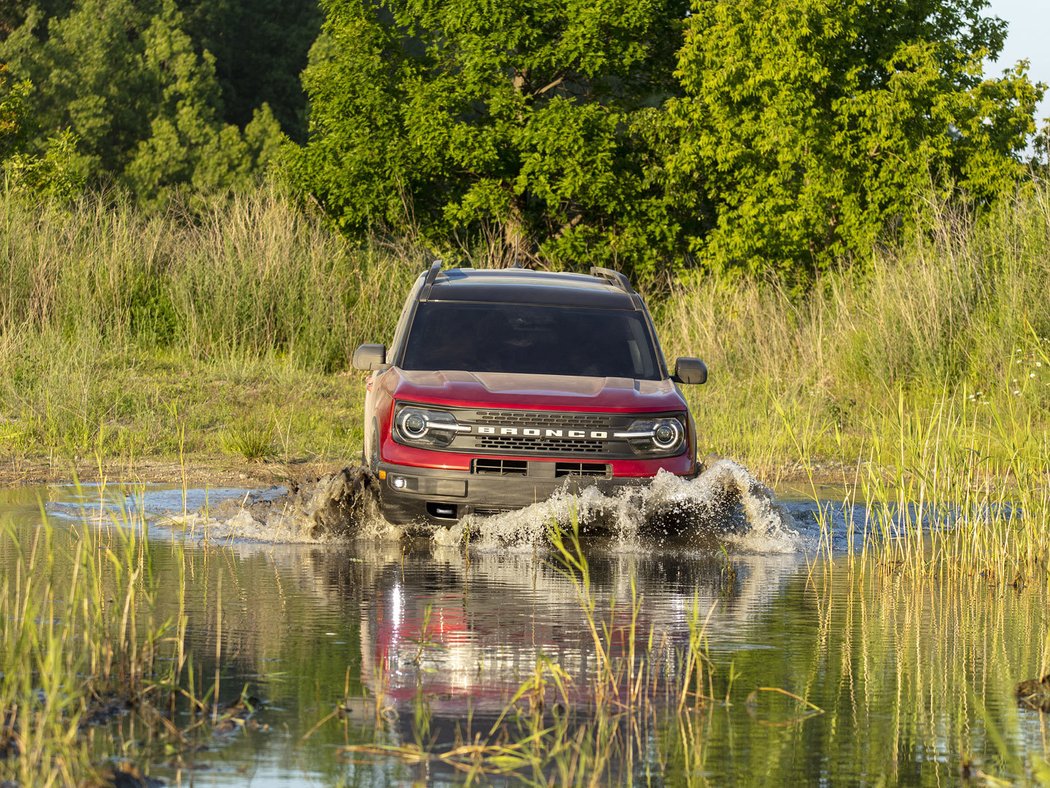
(81, 643)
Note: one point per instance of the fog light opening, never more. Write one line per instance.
(443, 511)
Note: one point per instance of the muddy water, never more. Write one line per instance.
(426, 640)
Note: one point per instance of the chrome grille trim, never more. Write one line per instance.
(517, 418)
(539, 445)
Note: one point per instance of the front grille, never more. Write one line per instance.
(517, 418)
(503, 432)
(580, 469)
(539, 445)
(501, 467)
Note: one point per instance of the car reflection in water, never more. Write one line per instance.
(463, 633)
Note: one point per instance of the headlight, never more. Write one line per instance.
(417, 426)
(663, 436)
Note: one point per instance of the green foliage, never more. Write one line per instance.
(526, 123)
(59, 172)
(260, 49)
(14, 109)
(790, 135)
(808, 129)
(251, 438)
(141, 99)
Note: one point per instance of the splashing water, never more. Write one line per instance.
(336, 506)
(724, 505)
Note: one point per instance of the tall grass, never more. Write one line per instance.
(138, 334)
(925, 377)
(128, 334)
(249, 277)
(78, 640)
(961, 309)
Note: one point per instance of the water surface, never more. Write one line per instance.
(427, 641)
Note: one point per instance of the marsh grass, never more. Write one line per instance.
(252, 438)
(119, 329)
(920, 380)
(81, 646)
(960, 309)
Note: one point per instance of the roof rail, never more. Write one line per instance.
(432, 275)
(614, 277)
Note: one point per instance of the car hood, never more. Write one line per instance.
(538, 392)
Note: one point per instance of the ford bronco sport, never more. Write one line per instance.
(500, 386)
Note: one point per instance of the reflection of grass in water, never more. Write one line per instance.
(81, 646)
(905, 678)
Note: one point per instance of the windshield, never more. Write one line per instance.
(530, 339)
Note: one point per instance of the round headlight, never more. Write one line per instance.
(666, 434)
(413, 424)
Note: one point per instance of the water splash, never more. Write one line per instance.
(725, 505)
(335, 507)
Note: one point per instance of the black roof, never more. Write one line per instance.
(525, 286)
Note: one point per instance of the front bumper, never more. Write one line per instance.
(410, 494)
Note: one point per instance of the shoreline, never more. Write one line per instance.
(198, 471)
(210, 471)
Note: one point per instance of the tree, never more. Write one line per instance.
(14, 109)
(58, 171)
(260, 49)
(187, 143)
(530, 121)
(141, 101)
(807, 129)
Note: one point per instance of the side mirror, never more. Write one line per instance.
(690, 370)
(370, 357)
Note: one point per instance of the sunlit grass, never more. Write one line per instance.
(82, 645)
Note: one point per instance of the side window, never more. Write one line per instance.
(402, 322)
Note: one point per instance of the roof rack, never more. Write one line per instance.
(432, 275)
(614, 277)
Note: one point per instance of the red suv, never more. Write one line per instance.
(500, 386)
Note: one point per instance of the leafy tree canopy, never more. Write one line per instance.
(528, 122)
(260, 49)
(808, 127)
(140, 101)
(14, 109)
(732, 134)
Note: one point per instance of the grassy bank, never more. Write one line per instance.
(129, 334)
(960, 316)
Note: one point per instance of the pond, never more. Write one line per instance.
(385, 660)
